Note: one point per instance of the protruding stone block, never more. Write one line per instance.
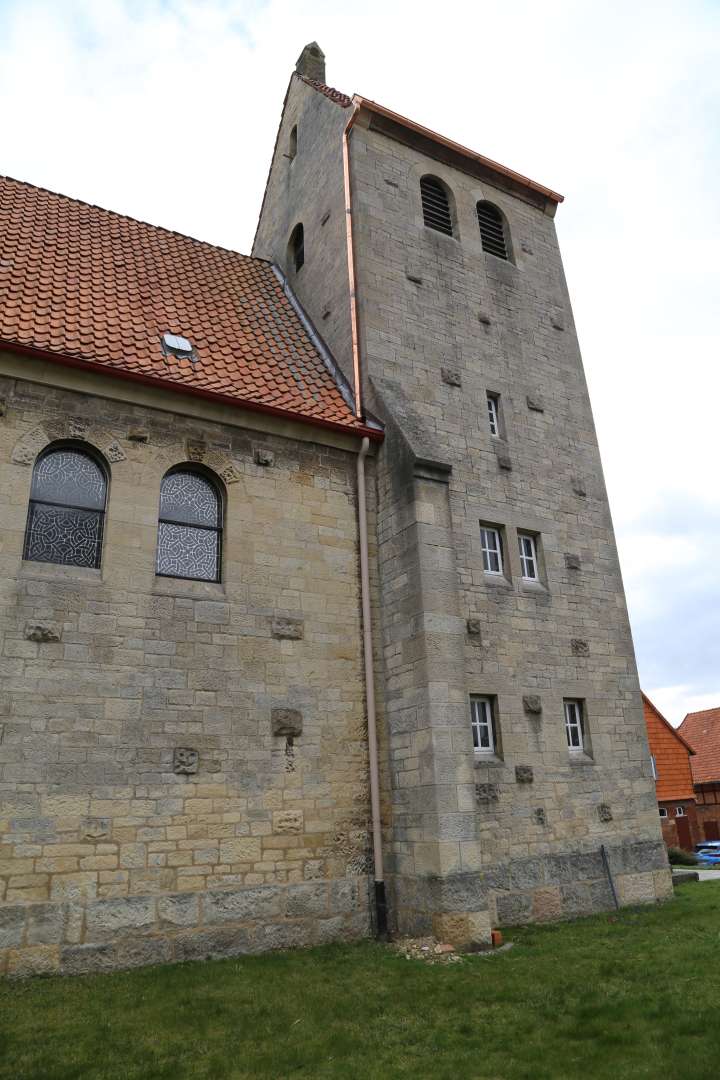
(287, 627)
(263, 456)
(185, 761)
(486, 794)
(288, 722)
(579, 486)
(579, 647)
(524, 774)
(572, 561)
(604, 812)
(451, 376)
(474, 628)
(534, 403)
(43, 631)
(532, 704)
(503, 458)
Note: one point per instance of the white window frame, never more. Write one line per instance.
(574, 725)
(492, 553)
(527, 545)
(662, 810)
(493, 415)
(653, 766)
(679, 811)
(482, 723)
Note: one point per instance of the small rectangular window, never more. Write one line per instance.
(679, 811)
(483, 725)
(663, 812)
(574, 725)
(493, 414)
(653, 766)
(491, 550)
(528, 557)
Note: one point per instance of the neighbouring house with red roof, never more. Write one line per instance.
(311, 615)
(672, 758)
(702, 731)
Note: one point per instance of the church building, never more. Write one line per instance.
(312, 621)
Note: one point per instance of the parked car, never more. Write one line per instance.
(708, 852)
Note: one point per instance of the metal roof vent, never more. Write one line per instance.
(178, 346)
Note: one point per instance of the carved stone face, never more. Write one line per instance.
(185, 760)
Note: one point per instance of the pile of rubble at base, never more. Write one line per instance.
(427, 949)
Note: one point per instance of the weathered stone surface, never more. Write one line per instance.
(180, 909)
(486, 794)
(513, 908)
(45, 923)
(474, 627)
(212, 944)
(263, 456)
(242, 905)
(287, 821)
(451, 376)
(503, 458)
(579, 647)
(186, 761)
(286, 721)
(33, 960)
(43, 631)
(12, 926)
(307, 899)
(532, 703)
(547, 903)
(604, 812)
(106, 919)
(572, 562)
(287, 627)
(539, 816)
(524, 774)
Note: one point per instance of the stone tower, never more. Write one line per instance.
(518, 776)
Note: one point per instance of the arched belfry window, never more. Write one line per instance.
(493, 231)
(190, 525)
(436, 205)
(67, 507)
(296, 247)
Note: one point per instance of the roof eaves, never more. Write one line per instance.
(458, 148)
(668, 725)
(358, 430)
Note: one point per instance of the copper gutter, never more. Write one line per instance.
(458, 148)
(359, 431)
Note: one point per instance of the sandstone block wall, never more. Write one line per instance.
(430, 304)
(442, 324)
(114, 848)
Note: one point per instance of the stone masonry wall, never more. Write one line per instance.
(115, 849)
(442, 325)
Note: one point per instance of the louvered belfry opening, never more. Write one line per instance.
(492, 230)
(436, 206)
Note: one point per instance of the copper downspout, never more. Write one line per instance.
(351, 259)
(379, 875)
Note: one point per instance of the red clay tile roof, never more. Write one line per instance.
(329, 91)
(81, 282)
(672, 756)
(702, 731)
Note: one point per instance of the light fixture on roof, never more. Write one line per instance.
(178, 346)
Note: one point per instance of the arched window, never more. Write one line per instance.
(67, 507)
(292, 144)
(296, 247)
(436, 205)
(493, 233)
(190, 525)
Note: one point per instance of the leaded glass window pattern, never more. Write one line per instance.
(189, 530)
(67, 509)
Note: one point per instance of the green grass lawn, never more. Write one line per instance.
(635, 994)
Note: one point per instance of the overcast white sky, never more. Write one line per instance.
(168, 112)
